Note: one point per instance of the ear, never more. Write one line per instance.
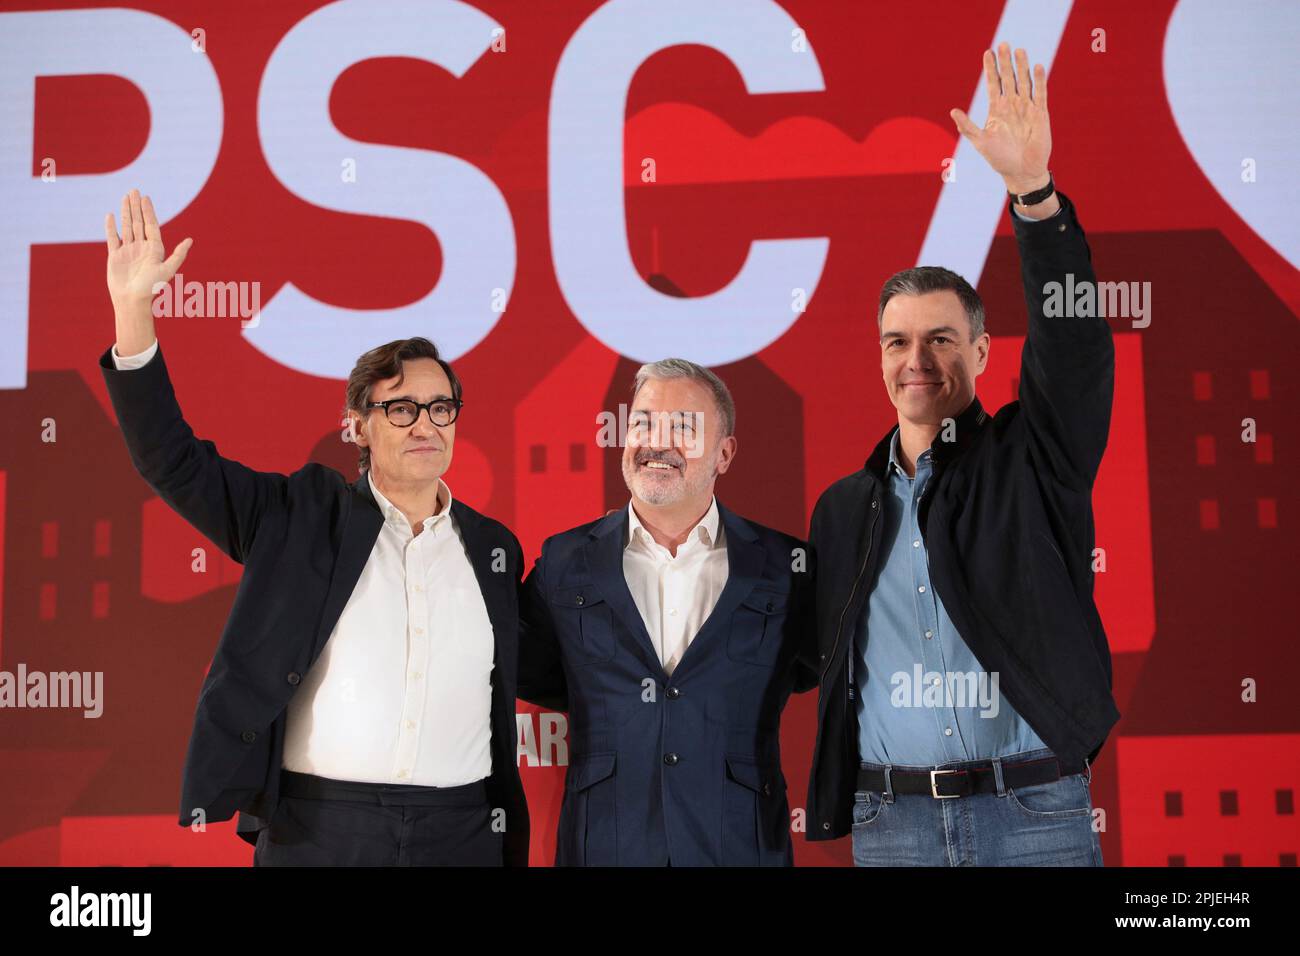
(359, 429)
(983, 344)
(726, 452)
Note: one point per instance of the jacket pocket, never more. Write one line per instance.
(754, 830)
(757, 626)
(584, 624)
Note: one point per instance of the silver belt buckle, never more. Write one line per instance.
(934, 791)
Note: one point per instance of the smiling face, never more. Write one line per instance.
(408, 456)
(927, 358)
(675, 447)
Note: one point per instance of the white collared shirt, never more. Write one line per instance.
(675, 595)
(402, 691)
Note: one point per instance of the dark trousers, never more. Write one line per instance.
(322, 822)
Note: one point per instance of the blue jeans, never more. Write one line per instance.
(1048, 824)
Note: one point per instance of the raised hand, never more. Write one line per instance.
(135, 261)
(135, 265)
(1017, 137)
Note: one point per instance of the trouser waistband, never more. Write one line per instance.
(311, 787)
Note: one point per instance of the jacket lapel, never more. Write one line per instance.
(603, 553)
(604, 557)
(493, 584)
(745, 559)
(360, 529)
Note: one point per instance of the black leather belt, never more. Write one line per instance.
(962, 781)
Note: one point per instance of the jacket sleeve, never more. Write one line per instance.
(1067, 374)
(224, 500)
(541, 667)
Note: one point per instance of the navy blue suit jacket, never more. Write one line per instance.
(684, 768)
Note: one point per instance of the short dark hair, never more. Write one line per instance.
(922, 280)
(385, 361)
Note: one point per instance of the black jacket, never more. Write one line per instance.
(1007, 521)
(303, 540)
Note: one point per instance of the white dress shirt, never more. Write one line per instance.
(401, 692)
(675, 595)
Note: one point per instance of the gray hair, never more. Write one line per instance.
(922, 280)
(682, 368)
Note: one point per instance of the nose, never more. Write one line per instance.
(661, 433)
(919, 358)
(424, 424)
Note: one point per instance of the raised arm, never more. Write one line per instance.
(1067, 374)
(226, 501)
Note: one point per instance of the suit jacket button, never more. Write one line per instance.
(769, 607)
(294, 678)
(671, 759)
(826, 826)
(673, 693)
(578, 600)
(767, 789)
(248, 736)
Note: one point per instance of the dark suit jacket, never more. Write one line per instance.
(686, 767)
(303, 540)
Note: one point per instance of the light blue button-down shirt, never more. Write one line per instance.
(904, 716)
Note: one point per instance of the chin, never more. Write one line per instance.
(655, 494)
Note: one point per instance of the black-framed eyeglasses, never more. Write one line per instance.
(403, 412)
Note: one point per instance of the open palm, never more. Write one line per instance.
(135, 261)
(1017, 137)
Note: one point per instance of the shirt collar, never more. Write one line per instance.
(921, 461)
(393, 514)
(706, 531)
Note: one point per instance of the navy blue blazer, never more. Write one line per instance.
(684, 768)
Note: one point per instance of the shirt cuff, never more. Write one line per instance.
(1023, 218)
(125, 363)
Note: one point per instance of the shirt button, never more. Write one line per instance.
(947, 731)
(935, 682)
(418, 588)
(672, 610)
(417, 675)
(921, 589)
(419, 630)
(403, 774)
(671, 759)
(929, 635)
(410, 725)
(916, 544)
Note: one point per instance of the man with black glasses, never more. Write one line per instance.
(360, 708)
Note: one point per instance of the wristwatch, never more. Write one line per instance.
(1037, 196)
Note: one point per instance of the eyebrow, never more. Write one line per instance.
(935, 331)
(408, 398)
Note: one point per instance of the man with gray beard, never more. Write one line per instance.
(670, 631)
